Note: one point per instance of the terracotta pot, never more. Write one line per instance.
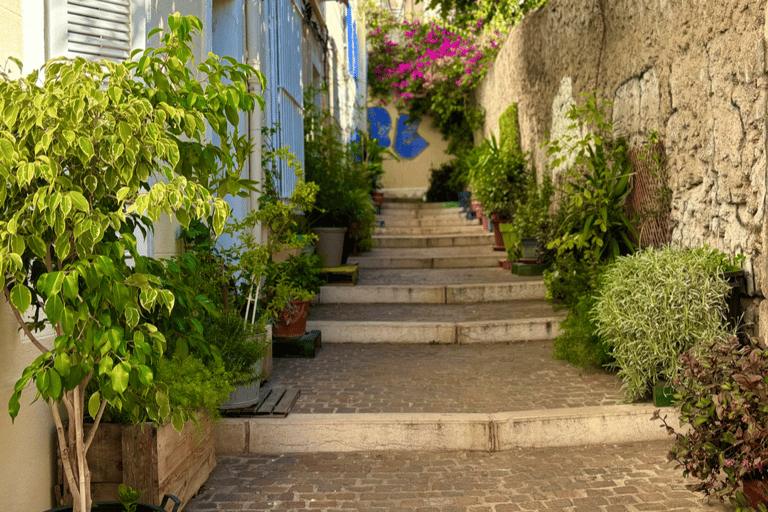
(292, 321)
(498, 239)
(378, 198)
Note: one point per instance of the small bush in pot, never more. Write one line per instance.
(532, 214)
(653, 305)
(723, 439)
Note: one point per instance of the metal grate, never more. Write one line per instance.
(649, 210)
(99, 29)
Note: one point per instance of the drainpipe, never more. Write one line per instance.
(252, 34)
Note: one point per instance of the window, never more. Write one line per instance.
(94, 29)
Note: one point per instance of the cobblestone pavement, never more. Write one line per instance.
(485, 378)
(606, 478)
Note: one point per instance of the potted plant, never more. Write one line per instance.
(496, 179)
(78, 150)
(128, 503)
(653, 305)
(531, 217)
(290, 286)
(343, 200)
(723, 439)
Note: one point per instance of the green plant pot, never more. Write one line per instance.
(530, 248)
(663, 394)
(506, 235)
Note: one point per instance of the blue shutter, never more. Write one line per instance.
(285, 90)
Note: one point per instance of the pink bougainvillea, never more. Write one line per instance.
(411, 59)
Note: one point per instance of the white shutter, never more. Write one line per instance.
(99, 29)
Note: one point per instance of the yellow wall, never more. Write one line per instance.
(26, 449)
(413, 174)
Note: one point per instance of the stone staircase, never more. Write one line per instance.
(437, 348)
(424, 282)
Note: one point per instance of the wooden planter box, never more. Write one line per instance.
(154, 461)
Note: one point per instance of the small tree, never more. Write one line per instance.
(79, 149)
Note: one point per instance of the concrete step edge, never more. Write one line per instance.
(319, 433)
(463, 333)
(484, 260)
(450, 294)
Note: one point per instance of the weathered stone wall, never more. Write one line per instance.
(692, 70)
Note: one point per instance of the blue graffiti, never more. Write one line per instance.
(379, 124)
(408, 142)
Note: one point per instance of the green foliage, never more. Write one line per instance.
(723, 399)
(241, 345)
(532, 214)
(80, 144)
(595, 188)
(443, 185)
(370, 155)
(298, 278)
(194, 385)
(344, 182)
(510, 11)
(655, 304)
(497, 176)
(509, 128)
(128, 497)
(579, 343)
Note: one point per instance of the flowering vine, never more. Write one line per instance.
(433, 65)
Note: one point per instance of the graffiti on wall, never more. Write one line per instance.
(408, 143)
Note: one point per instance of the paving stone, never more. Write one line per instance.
(375, 378)
(527, 479)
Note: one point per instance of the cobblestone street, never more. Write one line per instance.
(607, 478)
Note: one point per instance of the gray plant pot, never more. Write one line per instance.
(330, 245)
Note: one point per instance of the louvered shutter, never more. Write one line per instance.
(99, 29)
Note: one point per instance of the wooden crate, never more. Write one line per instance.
(154, 461)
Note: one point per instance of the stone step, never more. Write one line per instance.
(495, 322)
(481, 432)
(419, 206)
(415, 241)
(410, 222)
(425, 262)
(436, 294)
(467, 228)
(429, 257)
(422, 214)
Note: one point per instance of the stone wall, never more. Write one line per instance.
(692, 70)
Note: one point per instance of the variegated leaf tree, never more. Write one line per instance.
(89, 152)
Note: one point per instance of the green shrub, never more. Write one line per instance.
(194, 385)
(443, 186)
(655, 304)
(532, 214)
(497, 175)
(579, 343)
(596, 186)
(241, 345)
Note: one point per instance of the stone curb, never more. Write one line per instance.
(486, 331)
(451, 294)
(316, 433)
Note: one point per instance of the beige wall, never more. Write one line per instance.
(165, 242)
(26, 455)
(693, 71)
(412, 175)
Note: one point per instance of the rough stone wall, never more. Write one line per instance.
(692, 70)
